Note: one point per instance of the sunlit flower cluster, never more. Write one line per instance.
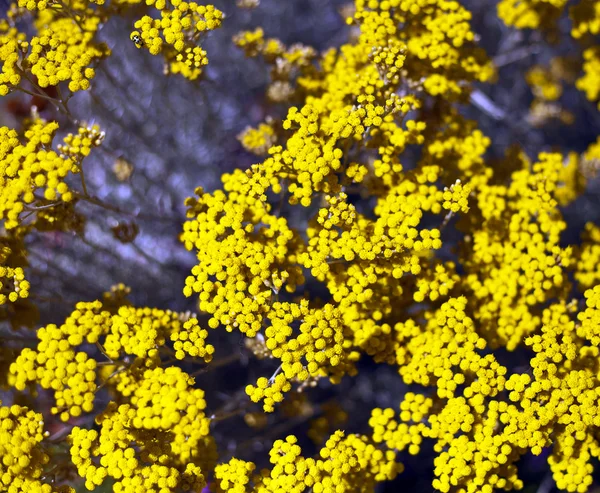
(128, 338)
(160, 441)
(176, 33)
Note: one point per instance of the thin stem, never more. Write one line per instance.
(72, 14)
(36, 95)
(110, 363)
(34, 208)
(40, 93)
(98, 202)
(215, 418)
(55, 438)
(446, 220)
(83, 185)
(103, 351)
(272, 379)
(113, 374)
(515, 55)
(50, 299)
(213, 365)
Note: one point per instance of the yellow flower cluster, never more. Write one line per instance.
(478, 435)
(318, 350)
(79, 146)
(55, 365)
(241, 267)
(476, 452)
(234, 476)
(247, 253)
(62, 50)
(10, 42)
(190, 340)
(530, 14)
(288, 63)
(126, 332)
(435, 39)
(158, 442)
(175, 34)
(369, 224)
(23, 458)
(589, 83)
(75, 5)
(435, 282)
(28, 164)
(586, 18)
(515, 262)
(65, 47)
(543, 83)
(17, 309)
(258, 140)
(139, 331)
(345, 463)
(460, 145)
(588, 258)
(13, 285)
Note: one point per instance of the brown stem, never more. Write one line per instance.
(213, 365)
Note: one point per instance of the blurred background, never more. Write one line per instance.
(165, 136)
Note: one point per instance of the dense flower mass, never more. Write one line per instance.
(373, 230)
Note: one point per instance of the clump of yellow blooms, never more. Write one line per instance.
(80, 145)
(66, 48)
(586, 18)
(158, 442)
(530, 14)
(432, 259)
(288, 63)
(317, 351)
(176, 33)
(128, 337)
(17, 310)
(589, 83)
(478, 435)
(23, 459)
(519, 263)
(62, 51)
(28, 164)
(13, 285)
(190, 339)
(258, 140)
(544, 84)
(345, 463)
